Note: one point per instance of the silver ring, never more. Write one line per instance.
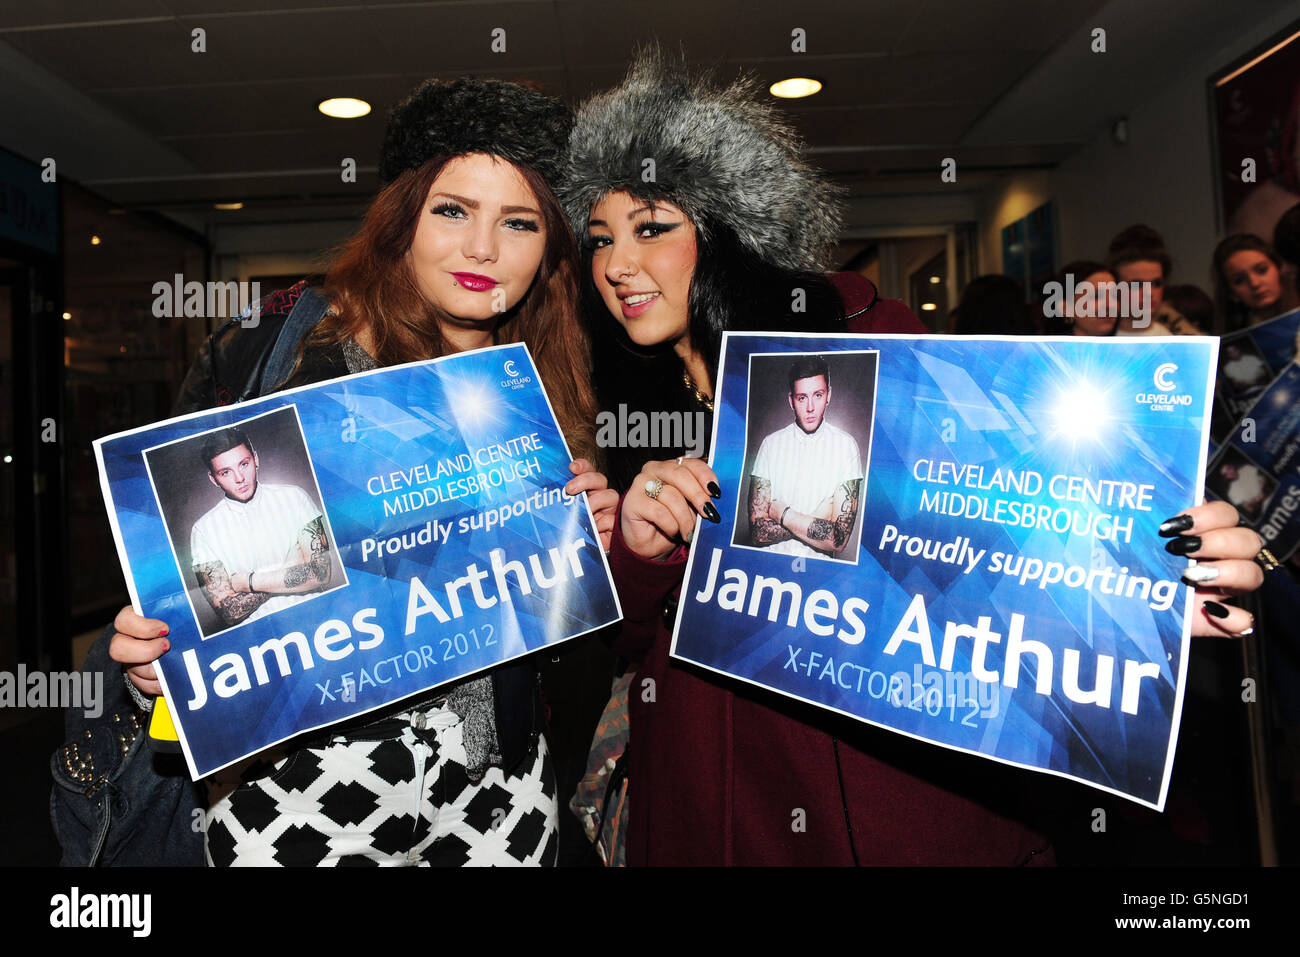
(653, 487)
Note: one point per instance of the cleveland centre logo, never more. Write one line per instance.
(1166, 399)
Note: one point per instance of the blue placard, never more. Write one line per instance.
(1249, 360)
(388, 532)
(1000, 587)
(1257, 468)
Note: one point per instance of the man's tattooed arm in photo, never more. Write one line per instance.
(830, 531)
(232, 606)
(237, 596)
(763, 529)
(833, 536)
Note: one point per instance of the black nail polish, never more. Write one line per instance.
(1215, 609)
(1176, 525)
(1183, 545)
(711, 513)
(714, 490)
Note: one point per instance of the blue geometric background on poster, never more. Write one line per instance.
(1094, 410)
(359, 428)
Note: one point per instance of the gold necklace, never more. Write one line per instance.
(700, 397)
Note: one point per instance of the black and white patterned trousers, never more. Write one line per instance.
(391, 794)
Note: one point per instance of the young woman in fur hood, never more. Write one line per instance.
(698, 215)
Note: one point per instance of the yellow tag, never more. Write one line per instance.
(161, 727)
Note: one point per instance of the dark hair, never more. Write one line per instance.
(1080, 269)
(1235, 314)
(731, 290)
(992, 305)
(220, 442)
(1135, 244)
(372, 285)
(1193, 302)
(808, 367)
(1286, 235)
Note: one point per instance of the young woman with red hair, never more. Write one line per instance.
(465, 246)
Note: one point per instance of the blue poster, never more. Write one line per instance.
(956, 538)
(1257, 469)
(1250, 359)
(325, 551)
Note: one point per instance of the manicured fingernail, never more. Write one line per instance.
(164, 633)
(711, 513)
(1214, 609)
(1176, 525)
(1200, 574)
(1247, 633)
(714, 490)
(167, 646)
(1183, 545)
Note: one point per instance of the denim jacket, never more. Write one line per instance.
(115, 802)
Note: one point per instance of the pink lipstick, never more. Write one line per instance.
(474, 282)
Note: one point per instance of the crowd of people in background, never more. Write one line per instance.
(1254, 280)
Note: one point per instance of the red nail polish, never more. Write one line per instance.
(167, 646)
(164, 633)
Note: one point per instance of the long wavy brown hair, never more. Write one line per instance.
(371, 286)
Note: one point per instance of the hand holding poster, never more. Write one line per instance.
(324, 551)
(956, 538)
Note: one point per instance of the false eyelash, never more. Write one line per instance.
(655, 229)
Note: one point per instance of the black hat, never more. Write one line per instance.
(469, 115)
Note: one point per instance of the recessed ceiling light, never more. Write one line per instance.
(95, 240)
(795, 87)
(67, 315)
(344, 107)
(928, 307)
(935, 280)
(227, 205)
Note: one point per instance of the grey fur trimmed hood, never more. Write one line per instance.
(719, 153)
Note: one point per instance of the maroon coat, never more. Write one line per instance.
(724, 773)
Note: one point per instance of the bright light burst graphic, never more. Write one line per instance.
(1081, 413)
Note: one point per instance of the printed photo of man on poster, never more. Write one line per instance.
(807, 476)
(263, 546)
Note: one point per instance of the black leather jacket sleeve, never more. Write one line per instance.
(229, 365)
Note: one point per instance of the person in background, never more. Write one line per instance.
(1138, 254)
(992, 305)
(1193, 302)
(1094, 309)
(1286, 240)
(1248, 281)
